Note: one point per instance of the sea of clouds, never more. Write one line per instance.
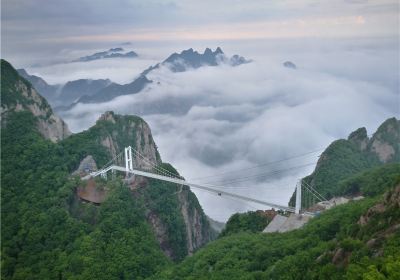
(230, 120)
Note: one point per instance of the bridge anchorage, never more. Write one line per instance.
(162, 174)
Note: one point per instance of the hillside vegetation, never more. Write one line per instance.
(359, 240)
(148, 230)
(346, 157)
(41, 239)
(47, 232)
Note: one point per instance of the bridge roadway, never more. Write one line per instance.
(213, 189)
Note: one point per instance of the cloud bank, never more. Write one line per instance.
(217, 119)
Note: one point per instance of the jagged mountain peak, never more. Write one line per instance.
(176, 62)
(385, 141)
(218, 51)
(180, 62)
(107, 116)
(359, 137)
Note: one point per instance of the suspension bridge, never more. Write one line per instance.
(150, 170)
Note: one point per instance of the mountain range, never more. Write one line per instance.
(190, 59)
(64, 97)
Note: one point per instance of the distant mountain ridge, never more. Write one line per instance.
(187, 59)
(48, 91)
(74, 90)
(180, 62)
(64, 97)
(114, 90)
(111, 53)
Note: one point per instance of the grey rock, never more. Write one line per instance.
(87, 165)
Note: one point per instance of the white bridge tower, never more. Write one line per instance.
(298, 197)
(128, 159)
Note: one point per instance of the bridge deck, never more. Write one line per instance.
(210, 188)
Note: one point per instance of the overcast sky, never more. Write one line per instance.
(47, 29)
(216, 119)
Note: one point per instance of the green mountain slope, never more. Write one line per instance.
(17, 95)
(344, 158)
(358, 240)
(47, 232)
(251, 221)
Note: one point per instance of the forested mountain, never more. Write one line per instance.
(358, 240)
(346, 157)
(49, 232)
(17, 94)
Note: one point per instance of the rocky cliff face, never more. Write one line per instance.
(19, 95)
(196, 228)
(198, 231)
(385, 141)
(123, 131)
(176, 217)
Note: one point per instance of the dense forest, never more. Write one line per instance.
(49, 233)
(358, 240)
(42, 240)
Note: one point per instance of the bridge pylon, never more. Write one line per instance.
(298, 197)
(128, 159)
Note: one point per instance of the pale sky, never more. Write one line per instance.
(50, 26)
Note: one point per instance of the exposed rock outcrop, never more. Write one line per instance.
(161, 233)
(19, 95)
(86, 166)
(195, 224)
(91, 192)
(129, 131)
(391, 200)
(359, 138)
(385, 141)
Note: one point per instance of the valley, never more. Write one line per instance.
(74, 223)
(200, 140)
